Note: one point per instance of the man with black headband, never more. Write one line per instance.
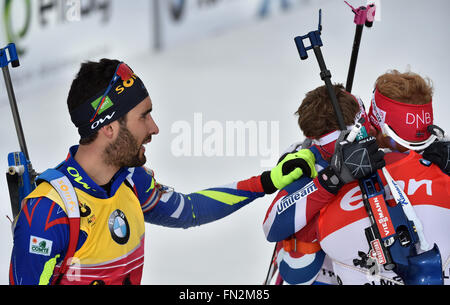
(84, 223)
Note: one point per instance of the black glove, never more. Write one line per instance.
(439, 154)
(351, 161)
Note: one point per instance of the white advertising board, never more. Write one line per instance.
(54, 36)
(183, 20)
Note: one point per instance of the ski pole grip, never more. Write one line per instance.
(13, 58)
(301, 47)
(364, 15)
(371, 9)
(314, 39)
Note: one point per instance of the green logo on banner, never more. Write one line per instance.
(14, 34)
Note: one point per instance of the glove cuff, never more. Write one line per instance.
(267, 184)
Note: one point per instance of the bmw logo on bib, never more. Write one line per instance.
(119, 228)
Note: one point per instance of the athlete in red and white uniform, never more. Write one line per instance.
(329, 246)
(340, 225)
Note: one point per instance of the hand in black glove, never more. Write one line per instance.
(439, 154)
(351, 161)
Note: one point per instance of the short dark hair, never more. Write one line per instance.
(92, 78)
(316, 115)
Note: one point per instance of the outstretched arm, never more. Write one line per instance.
(164, 206)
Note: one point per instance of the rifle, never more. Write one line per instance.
(21, 175)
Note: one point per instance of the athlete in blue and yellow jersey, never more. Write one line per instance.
(84, 223)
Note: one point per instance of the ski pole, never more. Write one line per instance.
(325, 74)
(271, 270)
(20, 175)
(366, 185)
(364, 16)
(9, 89)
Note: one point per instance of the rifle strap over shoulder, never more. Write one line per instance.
(68, 195)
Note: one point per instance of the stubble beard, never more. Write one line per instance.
(124, 151)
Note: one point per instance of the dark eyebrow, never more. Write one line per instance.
(147, 112)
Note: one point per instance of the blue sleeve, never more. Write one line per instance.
(41, 236)
(164, 206)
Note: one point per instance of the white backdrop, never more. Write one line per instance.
(250, 73)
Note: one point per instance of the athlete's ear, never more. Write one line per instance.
(111, 130)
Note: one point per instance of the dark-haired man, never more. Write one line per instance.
(84, 223)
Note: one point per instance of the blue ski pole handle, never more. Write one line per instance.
(13, 58)
(325, 74)
(314, 38)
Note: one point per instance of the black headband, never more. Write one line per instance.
(124, 92)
